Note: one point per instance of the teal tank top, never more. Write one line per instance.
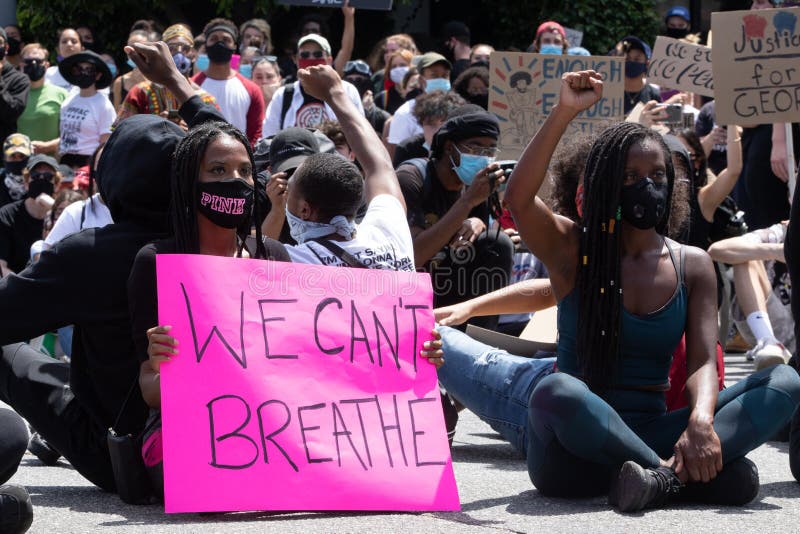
(647, 341)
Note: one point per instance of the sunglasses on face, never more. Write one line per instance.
(316, 54)
(179, 47)
(34, 61)
(477, 150)
(42, 176)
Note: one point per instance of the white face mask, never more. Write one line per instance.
(397, 74)
(302, 230)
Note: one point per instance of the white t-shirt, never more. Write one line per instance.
(83, 121)
(300, 115)
(232, 98)
(383, 240)
(96, 215)
(404, 124)
(52, 76)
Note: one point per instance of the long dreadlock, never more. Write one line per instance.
(185, 170)
(598, 281)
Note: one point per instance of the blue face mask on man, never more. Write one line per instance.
(551, 49)
(202, 62)
(469, 165)
(437, 84)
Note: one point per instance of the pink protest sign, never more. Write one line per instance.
(299, 387)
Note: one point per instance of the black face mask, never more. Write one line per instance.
(2, 53)
(34, 72)
(92, 46)
(219, 53)
(644, 203)
(480, 99)
(14, 46)
(227, 203)
(15, 167)
(414, 93)
(37, 187)
(677, 33)
(84, 81)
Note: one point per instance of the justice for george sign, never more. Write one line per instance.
(756, 66)
(299, 387)
(683, 66)
(525, 87)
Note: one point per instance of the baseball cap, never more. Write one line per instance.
(432, 58)
(636, 43)
(67, 174)
(42, 158)
(679, 11)
(314, 38)
(17, 143)
(290, 147)
(551, 26)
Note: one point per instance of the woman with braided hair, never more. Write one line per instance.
(626, 295)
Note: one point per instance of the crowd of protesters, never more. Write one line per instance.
(389, 162)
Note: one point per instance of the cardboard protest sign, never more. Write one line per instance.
(299, 387)
(525, 87)
(756, 66)
(382, 5)
(683, 66)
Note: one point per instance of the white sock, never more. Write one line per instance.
(760, 326)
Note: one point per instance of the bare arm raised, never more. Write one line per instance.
(322, 82)
(552, 238)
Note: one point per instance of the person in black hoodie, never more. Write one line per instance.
(14, 87)
(133, 178)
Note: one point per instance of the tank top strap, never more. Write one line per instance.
(680, 263)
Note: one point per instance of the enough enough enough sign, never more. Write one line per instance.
(299, 387)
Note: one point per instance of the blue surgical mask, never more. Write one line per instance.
(470, 165)
(113, 69)
(437, 84)
(302, 230)
(131, 64)
(202, 62)
(246, 71)
(551, 49)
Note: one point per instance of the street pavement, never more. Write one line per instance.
(496, 497)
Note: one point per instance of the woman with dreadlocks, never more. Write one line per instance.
(212, 210)
(626, 295)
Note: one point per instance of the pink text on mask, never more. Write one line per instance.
(231, 206)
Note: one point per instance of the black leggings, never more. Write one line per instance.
(37, 387)
(13, 443)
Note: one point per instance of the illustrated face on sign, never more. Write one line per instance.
(521, 86)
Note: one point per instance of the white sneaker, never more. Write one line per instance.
(768, 353)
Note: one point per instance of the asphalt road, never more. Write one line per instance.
(496, 496)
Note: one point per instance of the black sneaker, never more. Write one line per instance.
(736, 485)
(637, 488)
(16, 510)
(43, 450)
(450, 416)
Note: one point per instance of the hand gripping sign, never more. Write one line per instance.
(299, 387)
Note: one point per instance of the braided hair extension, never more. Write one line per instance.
(598, 279)
(185, 170)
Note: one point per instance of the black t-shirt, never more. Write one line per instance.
(18, 231)
(410, 148)
(389, 100)
(143, 288)
(644, 96)
(426, 198)
(5, 196)
(377, 118)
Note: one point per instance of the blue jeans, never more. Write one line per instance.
(492, 383)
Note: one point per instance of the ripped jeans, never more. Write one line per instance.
(492, 383)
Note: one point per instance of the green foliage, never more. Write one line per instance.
(603, 22)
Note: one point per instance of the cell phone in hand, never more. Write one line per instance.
(173, 115)
(674, 113)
